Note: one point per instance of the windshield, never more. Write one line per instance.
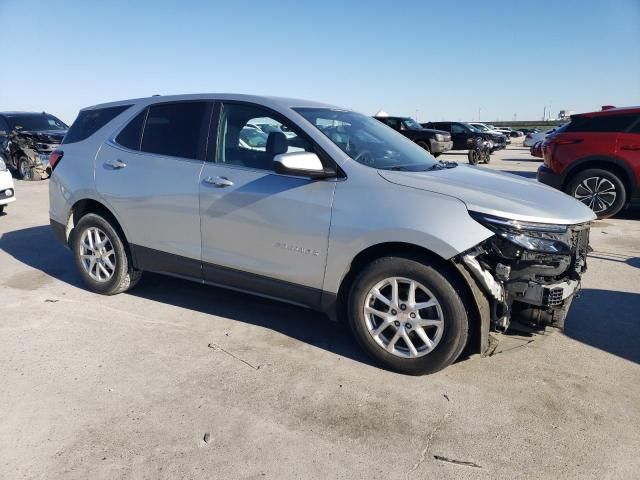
(36, 122)
(367, 141)
(411, 124)
(479, 126)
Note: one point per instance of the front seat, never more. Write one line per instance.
(276, 144)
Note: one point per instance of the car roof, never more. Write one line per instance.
(268, 101)
(21, 114)
(610, 111)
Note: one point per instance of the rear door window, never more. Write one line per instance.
(176, 129)
(90, 121)
(131, 135)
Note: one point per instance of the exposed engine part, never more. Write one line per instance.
(485, 278)
(503, 272)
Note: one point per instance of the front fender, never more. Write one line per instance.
(364, 217)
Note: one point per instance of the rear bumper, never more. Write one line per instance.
(440, 147)
(59, 231)
(549, 177)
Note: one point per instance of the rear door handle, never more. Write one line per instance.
(630, 147)
(220, 182)
(115, 164)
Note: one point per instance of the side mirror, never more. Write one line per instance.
(301, 164)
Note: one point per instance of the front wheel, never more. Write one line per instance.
(474, 157)
(600, 190)
(101, 257)
(24, 169)
(407, 316)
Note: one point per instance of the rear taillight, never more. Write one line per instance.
(55, 158)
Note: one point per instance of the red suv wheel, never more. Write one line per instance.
(600, 190)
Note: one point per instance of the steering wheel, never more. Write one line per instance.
(364, 157)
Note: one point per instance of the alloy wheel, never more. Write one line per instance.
(97, 255)
(597, 193)
(25, 170)
(403, 317)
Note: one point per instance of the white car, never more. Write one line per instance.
(532, 138)
(7, 190)
(485, 128)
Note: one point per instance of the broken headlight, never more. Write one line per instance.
(536, 237)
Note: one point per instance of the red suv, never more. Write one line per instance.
(596, 159)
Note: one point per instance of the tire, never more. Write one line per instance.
(448, 337)
(122, 274)
(25, 172)
(474, 157)
(424, 145)
(2, 208)
(604, 205)
(436, 155)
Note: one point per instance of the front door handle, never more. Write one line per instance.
(220, 182)
(115, 164)
(630, 147)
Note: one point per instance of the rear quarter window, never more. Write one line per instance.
(90, 121)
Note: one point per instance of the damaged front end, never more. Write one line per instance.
(29, 152)
(528, 271)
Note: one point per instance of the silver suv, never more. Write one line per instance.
(331, 210)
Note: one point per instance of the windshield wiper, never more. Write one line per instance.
(442, 164)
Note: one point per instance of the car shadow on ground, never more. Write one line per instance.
(607, 320)
(603, 319)
(37, 248)
(522, 159)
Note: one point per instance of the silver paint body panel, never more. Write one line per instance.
(302, 231)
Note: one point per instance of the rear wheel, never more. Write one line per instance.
(407, 316)
(101, 257)
(437, 154)
(474, 157)
(1, 208)
(600, 190)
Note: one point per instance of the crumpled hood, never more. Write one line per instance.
(497, 193)
(49, 136)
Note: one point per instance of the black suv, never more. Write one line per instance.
(27, 139)
(462, 133)
(434, 141)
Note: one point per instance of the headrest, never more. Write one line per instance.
(277, 143)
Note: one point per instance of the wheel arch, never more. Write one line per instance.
(612, 164)
(89, 205)
(448, 268)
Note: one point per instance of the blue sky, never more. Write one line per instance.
(444, 59)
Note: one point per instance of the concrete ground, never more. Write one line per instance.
(179, 380)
